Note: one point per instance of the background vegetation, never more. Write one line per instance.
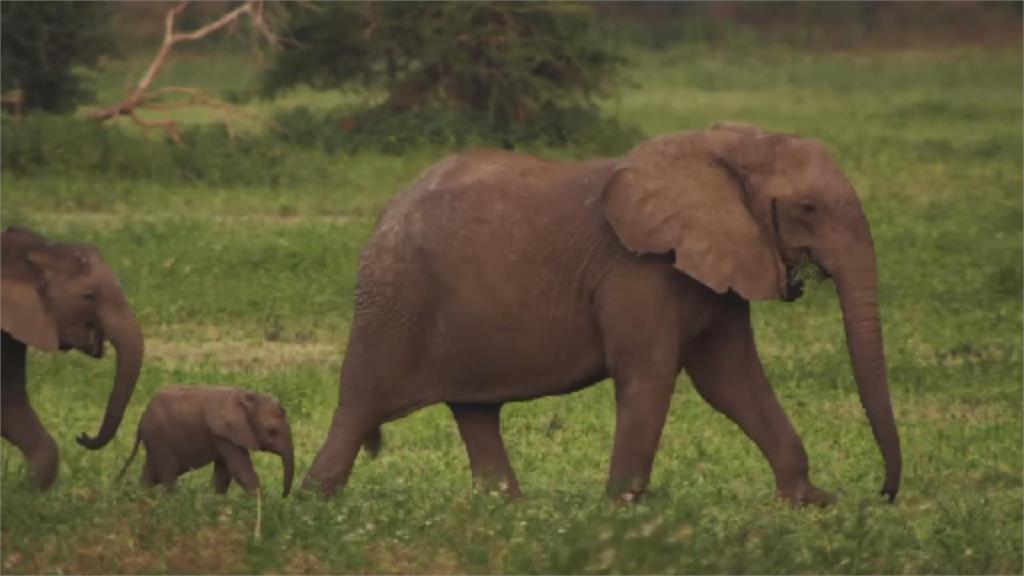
(239, 259)
(514, 71)
(46, 47)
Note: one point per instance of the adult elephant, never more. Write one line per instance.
(59, 296)
(499, 277)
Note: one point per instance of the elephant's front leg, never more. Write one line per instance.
(239, 464)
(149, 477)
(221, 476)
(18, 420)
(726, 370)
(642, 399)
(480, 428)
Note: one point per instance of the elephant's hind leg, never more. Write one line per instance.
(161, 465)
(480, 428)
(727, 372)
(333, 463)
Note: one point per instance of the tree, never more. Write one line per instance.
(142, 96)
(44, 43)
(503, 63)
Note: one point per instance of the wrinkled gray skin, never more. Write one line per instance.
(59, 296)
(499, 277)
(188, 427)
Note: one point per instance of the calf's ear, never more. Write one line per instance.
(229, 419)
(24, 314)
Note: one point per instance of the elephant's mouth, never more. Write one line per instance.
(803, 268)
(794, 285)
(95, 347)
(89, 342)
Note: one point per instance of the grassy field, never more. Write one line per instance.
(252, 287)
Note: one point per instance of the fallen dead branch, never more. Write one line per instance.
(141, 97)
(15, 99)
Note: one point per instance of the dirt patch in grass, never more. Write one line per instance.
(108, 220)
(34, 560)
(915, 350)
(928, 410)
(212, 549)
(244, 356)
(304, 563)
(389, 557)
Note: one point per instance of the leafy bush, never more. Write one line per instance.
(44, 43)
(64, 145)
(376, 129)
(504, 70)
(54, 144)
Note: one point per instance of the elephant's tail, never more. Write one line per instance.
(135, 450)
(374, 442)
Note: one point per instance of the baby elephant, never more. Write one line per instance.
(187, 427)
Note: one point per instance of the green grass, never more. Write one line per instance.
(252, 287)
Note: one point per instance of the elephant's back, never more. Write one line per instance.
(484, 198)
(455, 192)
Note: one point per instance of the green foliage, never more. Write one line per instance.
(749, 26)
(70, 146)
(46, 44)
(505, 68)
(352, 130)
(62, 145)
(251, 285)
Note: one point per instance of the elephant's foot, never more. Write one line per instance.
(627, 492)
(629, 497)
(44, 463)
(805, 494)
(333, 463)
(510, 489)
(324, 487)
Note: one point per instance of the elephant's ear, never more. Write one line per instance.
(229, 419)
(690, 193)
(24, 315)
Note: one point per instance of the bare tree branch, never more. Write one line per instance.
(170, 126)
(209, 28)
(141, 96)
(199, 97)
(16, 100)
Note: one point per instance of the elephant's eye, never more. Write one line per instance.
(89, 296)
(808, 207)
(273, 431)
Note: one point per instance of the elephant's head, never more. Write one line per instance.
(741, 209)
(256, 422)
(63, 296)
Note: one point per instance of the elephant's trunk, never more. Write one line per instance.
(856, 284)
(126, 336)
(288, 461)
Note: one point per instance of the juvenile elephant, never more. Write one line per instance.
(500, 277)
(188, 427)
(59, 296)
